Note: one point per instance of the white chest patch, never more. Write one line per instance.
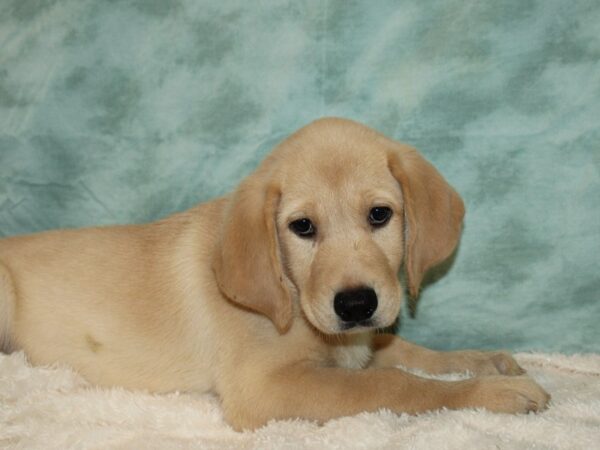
(354, 352)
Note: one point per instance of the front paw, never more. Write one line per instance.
(514, 395)
(486, 363)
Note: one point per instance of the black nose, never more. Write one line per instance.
(355, 305)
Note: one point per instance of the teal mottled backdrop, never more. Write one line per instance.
(125, 111)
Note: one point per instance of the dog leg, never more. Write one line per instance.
(322, 393)
(390, 351)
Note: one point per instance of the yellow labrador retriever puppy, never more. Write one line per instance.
(269, 296)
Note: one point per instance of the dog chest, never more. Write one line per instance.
(354, 352)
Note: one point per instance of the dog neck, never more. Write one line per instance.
(352, 351)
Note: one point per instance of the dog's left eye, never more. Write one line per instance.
(379, 215)
(303, 228)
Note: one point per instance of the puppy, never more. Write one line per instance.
(269, 297)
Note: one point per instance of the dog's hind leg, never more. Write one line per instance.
(7, 304)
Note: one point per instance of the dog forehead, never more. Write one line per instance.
(337, 179)
(330, 142)
(333, 163)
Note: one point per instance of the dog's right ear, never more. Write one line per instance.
(247, 262)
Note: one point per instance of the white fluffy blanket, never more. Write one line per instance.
(54, 408)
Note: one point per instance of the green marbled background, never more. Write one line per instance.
(125, 111)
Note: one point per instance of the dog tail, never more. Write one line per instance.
(7, 301)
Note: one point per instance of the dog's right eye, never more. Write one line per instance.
(303, 228)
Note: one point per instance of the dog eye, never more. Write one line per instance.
(379, 216)
(303, 227)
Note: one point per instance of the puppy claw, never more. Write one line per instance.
(506, 365)
(531, 407)
(517, 395)
(485, 363)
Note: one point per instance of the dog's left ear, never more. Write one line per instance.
(247, 263)
(433, 213)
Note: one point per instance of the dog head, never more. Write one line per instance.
(327, 220)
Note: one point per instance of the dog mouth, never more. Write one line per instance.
(358, 325)
(340, 326)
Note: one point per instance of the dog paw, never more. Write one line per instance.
(487, 363)
(504, 363)
(516, 395)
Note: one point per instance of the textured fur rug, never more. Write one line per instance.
(54, 408)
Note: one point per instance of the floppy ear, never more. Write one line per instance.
(433, 213)
(247, 263)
